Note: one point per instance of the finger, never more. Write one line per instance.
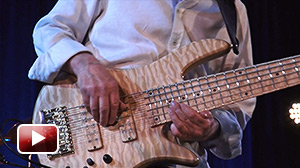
(173, 110)
(86, 102)
(122, 106)
(183, 136)
(114, 106)
(194, 116)
(174, 105)
(182, 115)
(94, 107)
(104, 110)
(206, 114)
(175, 131)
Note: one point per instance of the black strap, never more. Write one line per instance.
(228, 11)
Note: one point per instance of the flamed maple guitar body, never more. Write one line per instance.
(139, 137)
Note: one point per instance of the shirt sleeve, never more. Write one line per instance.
(228, 144)
(59, 35)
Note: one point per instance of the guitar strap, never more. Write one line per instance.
(228, 11)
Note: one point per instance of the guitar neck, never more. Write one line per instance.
(221, 89)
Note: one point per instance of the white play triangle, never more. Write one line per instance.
(36, 138)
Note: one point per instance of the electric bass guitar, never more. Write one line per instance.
(138, 138)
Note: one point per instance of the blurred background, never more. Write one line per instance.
(271, 139)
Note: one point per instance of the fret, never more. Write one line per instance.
(171, 91)
(233, 84)
(219, 89)
(161, 107)
(156, 109)
(243, 83)
(248, 82)
(271, 77)
(228, 87)
(296, 68)
(209, 95)
(266, 80)
(237, 84)
(296, 62)
(283, 72)
(178, 93)
(214, 91)
(278, 78)
(167, 100)
(254, 82)
(259, 79)
(201, 94)
(194, 96)
(149, 95)
(198, 94)
(186, 98)
(223, 90)
(290, 73)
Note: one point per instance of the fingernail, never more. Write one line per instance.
(204, 115)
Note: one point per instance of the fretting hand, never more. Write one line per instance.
(189, 125)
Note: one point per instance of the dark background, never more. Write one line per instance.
(271, 139)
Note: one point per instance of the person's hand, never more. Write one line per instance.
(189, 125)
(99, 89)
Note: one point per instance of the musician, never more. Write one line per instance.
(84, 37)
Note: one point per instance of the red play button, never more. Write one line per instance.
(37, 138)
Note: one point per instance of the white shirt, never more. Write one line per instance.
(132, 33)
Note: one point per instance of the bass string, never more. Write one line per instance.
(77, 127)
(141, 117)
(140, 105)
(204, 90)
(143, 109)
(108, 135)
(103, 132)
(137, 117)
(209, 82)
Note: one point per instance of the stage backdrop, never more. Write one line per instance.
(270, 139)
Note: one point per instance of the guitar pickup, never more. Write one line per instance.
(92, 133)
(127, 127)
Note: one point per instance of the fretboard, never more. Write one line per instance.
(221, 89)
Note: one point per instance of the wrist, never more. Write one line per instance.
(79, 62)
(215, 131)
